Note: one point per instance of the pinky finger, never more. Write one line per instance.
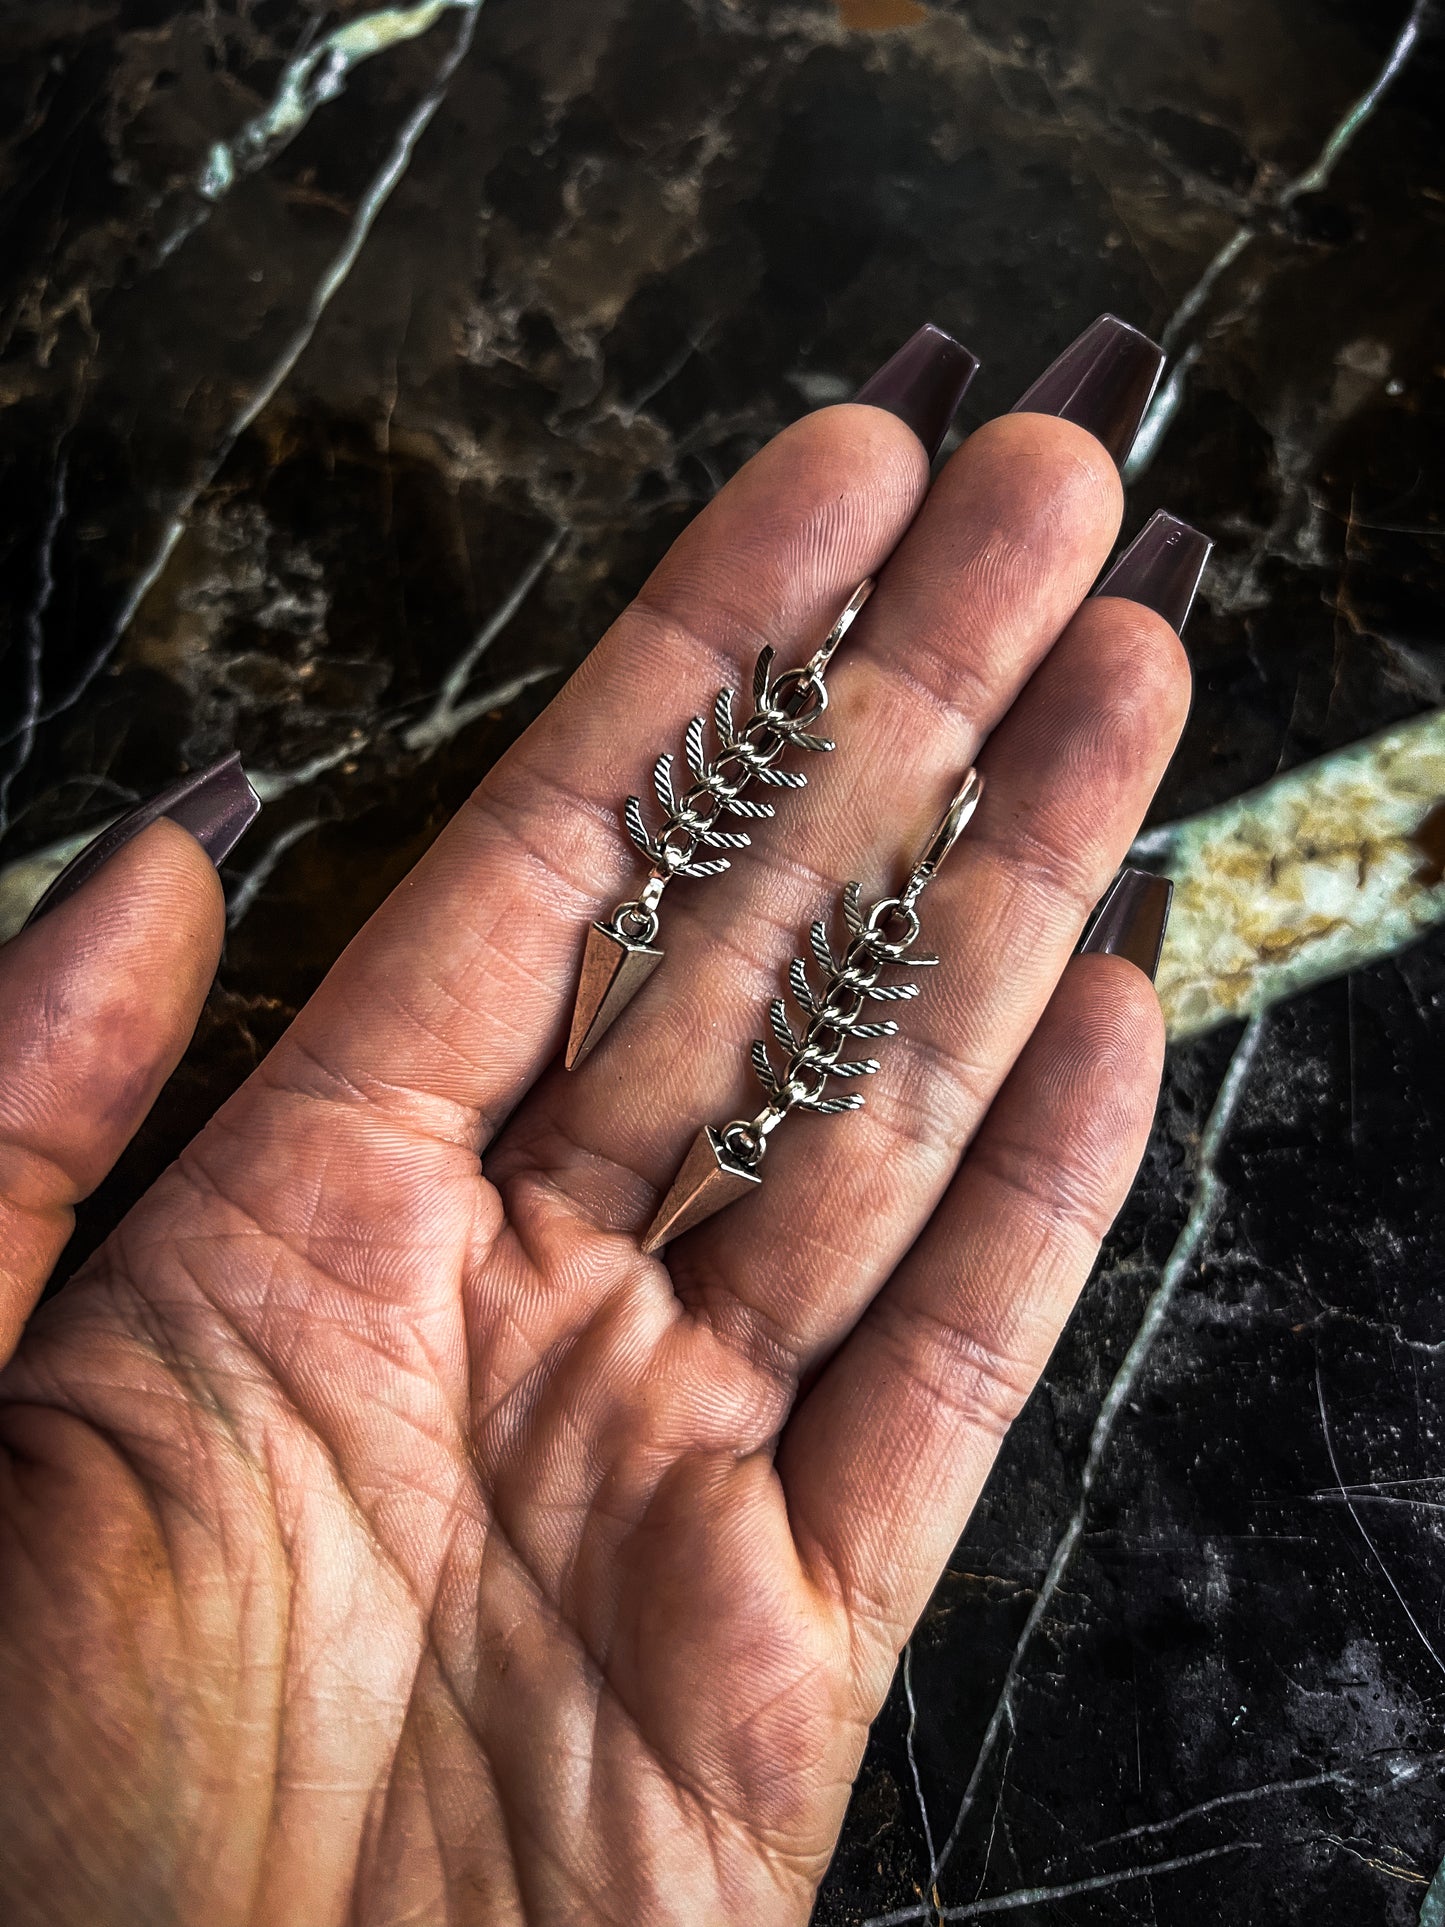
(884, 1460)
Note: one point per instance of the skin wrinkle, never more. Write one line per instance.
(597, 1656)
(290, 1411)
(755, 1427)
(827, 541)
(142, 1489)
(545, 1152)
(481, 1307)
(40, 1165)
(499, 811)
(193, 1166)
(275, 1070)
(997, 1386)
(760, 1328)
(431, 1805)
(749, 1331)
(595, 1667)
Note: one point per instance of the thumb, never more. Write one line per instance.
(99, 995)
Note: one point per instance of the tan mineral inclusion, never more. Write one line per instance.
(1322, 870)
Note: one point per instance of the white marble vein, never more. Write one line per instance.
(1401, 1770)
(1319, 872)
(1069, 1890)
(331, 281)
(1364, 1532)
(312, 79)
(254, 881)
(1310, 180)
(23, 735)
(917, 1777)
(24, 881)
(1180, 1262)
(452, 711)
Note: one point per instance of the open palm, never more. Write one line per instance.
(386, 1539)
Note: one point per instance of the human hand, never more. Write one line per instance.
(386, 1539)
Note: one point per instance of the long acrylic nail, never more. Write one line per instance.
(1103, 381)
(1131, 919)
(923, 384)
(217, 805)
(1161, 568)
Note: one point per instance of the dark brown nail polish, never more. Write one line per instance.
(217, 805)
(1103, 381)
(1161, 568)
(1131, 920)
(923, 384)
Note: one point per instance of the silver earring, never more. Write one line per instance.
(621, 954)
(724, 1164)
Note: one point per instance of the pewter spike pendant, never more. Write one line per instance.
(726, 1162)
(621, 954)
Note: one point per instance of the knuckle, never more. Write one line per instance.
(980, 1383)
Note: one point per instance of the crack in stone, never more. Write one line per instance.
(1069, 1890)
(1167, 401)
(30, 717)
(1398, 1770)
(1375, 1552)
(1181, 1259)
(358, 232)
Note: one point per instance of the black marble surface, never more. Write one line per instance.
(455, 361)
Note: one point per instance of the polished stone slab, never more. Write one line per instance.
(358, 364)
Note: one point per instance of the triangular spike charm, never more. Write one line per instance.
(613, 971)
(710, 1178)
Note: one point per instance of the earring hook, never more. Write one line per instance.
(949, 829)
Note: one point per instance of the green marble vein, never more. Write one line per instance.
(1325, 869)
(314, 78)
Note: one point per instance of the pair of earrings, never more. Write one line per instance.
(621, 954)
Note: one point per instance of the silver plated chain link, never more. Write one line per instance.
(785, 709)
(725, 1162)
(835, 1015)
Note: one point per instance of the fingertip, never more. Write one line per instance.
(1106, 1030)
(1117, 690)
(1074, 465)
(1041, 492)
(1147, 653)
(155, 905)
(870, 447)
(99, 999)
